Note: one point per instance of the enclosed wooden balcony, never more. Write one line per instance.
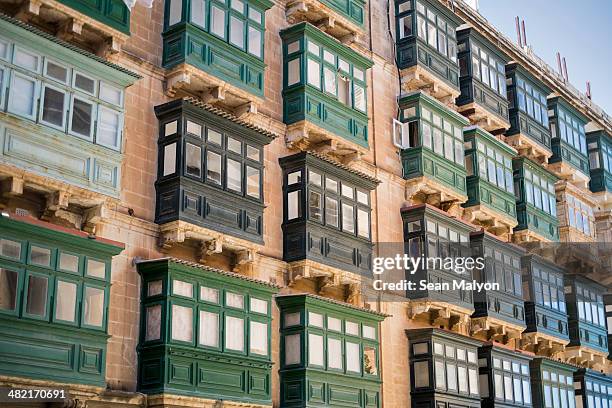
(536, 205)
(433, 162)
(499, 313)
(576, 209)
(324, 94)
(207, 58)
(587, 322)
(427, 49)
(482, 79)
(100, 27)
(529, 131)
(570, 158)
(490, 183)
(548, 375)
(547, 331)
(342, 19)
(326, 225)
(431, 233)
(599, 147)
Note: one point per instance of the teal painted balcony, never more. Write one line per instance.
(98, 26)
(529, 131)
(342, 19)
(552, 384)
(490, 183)
(329, 353)
(482, 79)
(427, 48)
(54, 299)
(216, 50)
(593, 388)
(599, 145)
(204, 333)
(433, 153)
(61, 120)
(536, 204)
(570, 159)
(324, 93)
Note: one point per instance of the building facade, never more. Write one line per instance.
(194, 196)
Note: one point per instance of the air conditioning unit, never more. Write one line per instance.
(401, 136)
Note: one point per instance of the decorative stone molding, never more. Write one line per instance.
(482, 117)
(419, 78)
(527, 147)
(425, 190)
(440, 314)
(492, 329)
(495, 222)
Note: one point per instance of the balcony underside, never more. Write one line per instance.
(569, 173)
(527, 147)
(543, 344)
(528, 236)
(187, 80)
(482, 117)
(493, 329)
(571, 234)
(493, 221)
(603, 200)
(207, 243)
(67, 24)
(441, 314)
(60, 202)
(326, 281)
(306, 136)
(324, 18)
(425, 190)
(417, 78)
(586, 357)
(78, 395)
(170, 401)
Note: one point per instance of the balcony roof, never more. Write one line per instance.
(19, 28)
(311, 296)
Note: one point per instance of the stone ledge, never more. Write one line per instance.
(484, 118)
(493, 221)
(419, 78)
(527, 147)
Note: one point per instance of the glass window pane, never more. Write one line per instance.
(314, 206)
(153, 331)
(22, 96)
(108, 127)
(53, 106)
(363, 223)
(93, 299)
(258, 305)
(348, 218)
(36, 302)
(331, 211)
(234, 300)
(293, 204)
(253, 182)
(315, 349)
(209, 294)
(451, 376)
(193, 160)
(82, 114)
(259, 338)
(334, 353)
(463, 378)
(254, 14)
(353, 361)
(351, 328)
(237, 32)
(10, 249)
(65, 301)
(8, 289)
(209, 329)
(421, 374)
(213, 167)
(182, 288)
(217, 24)
(292, 349)
(293, 72)
(234, 333)
(182, 323)
(40, 256)
(329, 77)
(314, 74)
(360, 98)
(234, 175)
(315, 319)
(176, 9)
(255, 42)
(369, 361)
(96, 269)
(440, 375)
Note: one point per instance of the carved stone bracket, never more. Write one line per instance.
(529, 148)
(418, 78)
(425, 190)
(440, 314)
(324, 18)
(306, 136)
(497, 223)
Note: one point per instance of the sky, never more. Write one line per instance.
(580, 30)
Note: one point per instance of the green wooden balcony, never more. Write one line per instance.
(113, 13)
(216, 50)
(593, 388)
(342, 19)
(570, 158)
(490, 183)
(433, 162)
(599, 145)
(204, 333)
(46, 274)
(529, 131)
(427, 48)
(324, 92)
(536, 205)
(552, 383)
(507, 376)
(482, 79)
(329, 353)
(443, 369)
